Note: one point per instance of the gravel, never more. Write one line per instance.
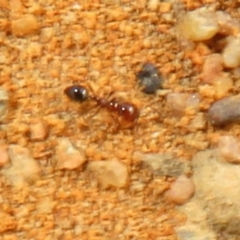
(198, 122)
(23, 169)
(225, 111)
(99, 45)
(199, 25)
(212, 67)
(229, 148)
(181, 190)
(109, 173)
(223, 85)
(68, 156)
(178, 103)
(231, 53)
(149, 78)
(214, 75)
(215, 205)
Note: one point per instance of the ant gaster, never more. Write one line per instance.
(128, 111)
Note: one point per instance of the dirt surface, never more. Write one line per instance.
(71, 170)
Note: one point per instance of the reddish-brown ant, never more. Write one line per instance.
(128, 111)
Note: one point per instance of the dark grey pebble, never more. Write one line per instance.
(225, 111)
(149, 78)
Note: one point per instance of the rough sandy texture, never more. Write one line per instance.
(48, 45)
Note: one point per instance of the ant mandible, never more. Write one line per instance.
(128, 111)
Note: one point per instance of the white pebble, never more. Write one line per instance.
(222, 84)
(23, 167)
(112, 172)
(231, 53)
(181, 190)
(179, 102)
(68, 156)
(198, 25)
(229, 148)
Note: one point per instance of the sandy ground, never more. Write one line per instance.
(45, 46)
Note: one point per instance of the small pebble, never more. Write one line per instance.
(231, 53)
(227, 24)
(212, 67)
(34, 50)
(38, 130)
(225, 111)
(25, 25)
(181, 190)
(199, 25)
(229, 148)
(68, 156)
(3, 103)
(153, 5)
(223, 84)
(149, 78)
(207, 91)
(179, 102)
(198, 122)
(23, 167)
(46, 34)
(113, 173)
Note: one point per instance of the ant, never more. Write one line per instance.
(128, 111)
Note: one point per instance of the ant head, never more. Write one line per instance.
(77, 93)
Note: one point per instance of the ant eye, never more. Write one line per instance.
(76, 93)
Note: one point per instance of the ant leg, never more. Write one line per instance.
(98, 108)
(135, 127)
(117, 125)
(114, 128)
